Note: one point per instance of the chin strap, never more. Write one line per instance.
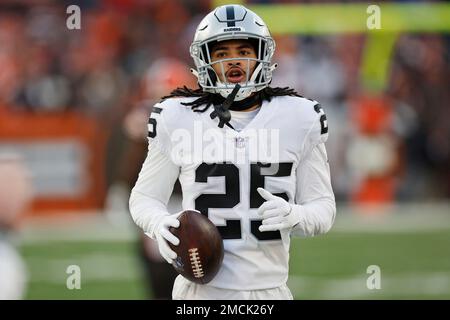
(246, 103)
(222, 111)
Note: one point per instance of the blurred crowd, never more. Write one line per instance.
(397, 140)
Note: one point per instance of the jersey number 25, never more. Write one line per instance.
(231, 198)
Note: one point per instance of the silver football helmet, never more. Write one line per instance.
(227, 23)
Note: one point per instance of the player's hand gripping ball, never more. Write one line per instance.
(200, 251)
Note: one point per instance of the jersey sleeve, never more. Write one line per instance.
(154, 186)
(318, 131)
(314, 194)
(158, 134)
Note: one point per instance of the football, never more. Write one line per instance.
(200, 252)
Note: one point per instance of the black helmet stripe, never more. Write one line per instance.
(230, 16)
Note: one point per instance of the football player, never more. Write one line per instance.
(248, 156)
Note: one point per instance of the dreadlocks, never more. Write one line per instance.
(208, 99)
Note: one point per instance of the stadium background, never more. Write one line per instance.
(64, 95)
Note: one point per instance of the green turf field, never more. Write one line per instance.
(414, 264)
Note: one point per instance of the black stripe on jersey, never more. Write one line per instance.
(230, 16)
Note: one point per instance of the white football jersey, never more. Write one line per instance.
(220, 170)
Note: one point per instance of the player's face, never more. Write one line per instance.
(234, 71)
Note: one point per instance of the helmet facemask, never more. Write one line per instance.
(254, 81)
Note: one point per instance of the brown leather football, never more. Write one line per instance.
(200, 252)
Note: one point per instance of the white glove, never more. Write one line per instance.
(277, 213)
(162, 235)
